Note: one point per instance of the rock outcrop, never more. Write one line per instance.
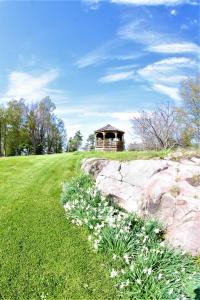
(163, 189)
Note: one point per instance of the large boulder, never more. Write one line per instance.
(163, 189)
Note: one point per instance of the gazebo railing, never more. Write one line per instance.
(108, 144)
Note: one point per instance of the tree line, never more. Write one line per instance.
(169, 126)
(35, 129)
(30, 129)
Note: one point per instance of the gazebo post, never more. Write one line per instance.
(116, 140)
(104, 139)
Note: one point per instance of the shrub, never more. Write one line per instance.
(141, 265)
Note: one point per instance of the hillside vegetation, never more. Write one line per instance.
(43, 256)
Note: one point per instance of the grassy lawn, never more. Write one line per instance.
(42, 256)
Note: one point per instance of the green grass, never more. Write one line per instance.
(151, 270)
(43, 256)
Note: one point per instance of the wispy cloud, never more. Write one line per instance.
(164, 76)
(154, 2)
(152, 41)
(106, 52)
(116, 77)
(172, 92)
(175, 48)
(94, 4)
(32, 87)
(137, 31)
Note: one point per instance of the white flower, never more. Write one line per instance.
(145, 238)
(145, 270)
(127, 282)
(98, 226)
(67, 206)
(95, 246)
(159, 276)
(156, 230)
(138, 281)
(121, 285)
(162, 244)
(149, 271)
(114, 257)
(122, 271)
(126, 258)
(132, 267)
(170, 291)
(113, 273)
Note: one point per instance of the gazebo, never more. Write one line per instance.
(109, 138)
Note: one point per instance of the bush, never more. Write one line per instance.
(141, 265)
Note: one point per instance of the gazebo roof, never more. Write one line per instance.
(109, 128)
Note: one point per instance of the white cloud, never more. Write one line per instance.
(93, 4)
(153, 2)
(168, 66)
(91, 59)
(173, 48)
(172, 92)
(116, 77)
(97, 56)
(105, 52)
(173, 12)
(32, 87)
(164, 76)
(137, 32)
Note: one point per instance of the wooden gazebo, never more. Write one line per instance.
(109, 138)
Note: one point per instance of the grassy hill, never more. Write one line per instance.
(43, 256)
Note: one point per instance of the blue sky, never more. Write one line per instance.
(100, 61)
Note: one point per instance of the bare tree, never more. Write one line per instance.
(158, 129)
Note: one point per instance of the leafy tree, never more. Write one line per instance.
(35, 129)
(1, 129)
(15, 119)
(90, 144)
(75, 142)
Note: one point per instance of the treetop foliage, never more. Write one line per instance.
(33, 129)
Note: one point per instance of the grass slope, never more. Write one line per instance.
(42, 256)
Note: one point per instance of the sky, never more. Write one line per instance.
(100, 61)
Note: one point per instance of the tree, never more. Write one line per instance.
(158, 129)
(1, 129)
(35, 129)
(75, 142)
(15, 122)
(189, 113)
(90, 144)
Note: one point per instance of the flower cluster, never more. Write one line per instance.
(141, 265)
